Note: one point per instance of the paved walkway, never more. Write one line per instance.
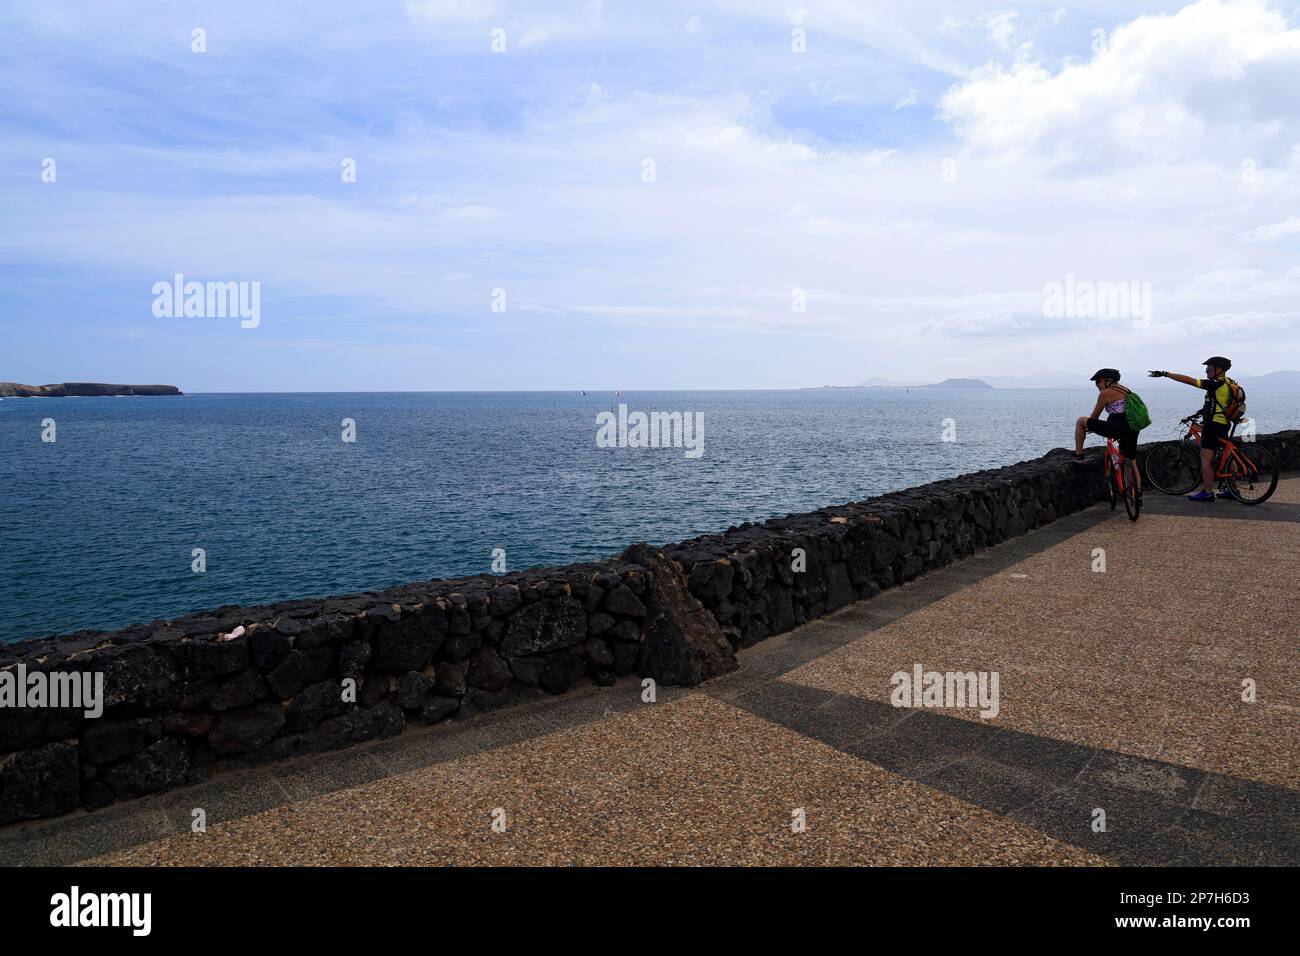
(1120, 691)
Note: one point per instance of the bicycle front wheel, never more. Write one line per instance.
(1173, 468)
(1252, 474)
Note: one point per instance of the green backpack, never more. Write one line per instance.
(1135, 411)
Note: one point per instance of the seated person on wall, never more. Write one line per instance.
(1111, 396)
(1215, 425)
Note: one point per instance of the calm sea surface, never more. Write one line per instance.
(97, 528)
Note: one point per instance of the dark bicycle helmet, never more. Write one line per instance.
(1218, 361)
(1110, 373)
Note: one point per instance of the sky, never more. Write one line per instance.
(725, 193)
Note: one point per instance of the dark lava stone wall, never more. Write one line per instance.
(854, 551)
(180, 702)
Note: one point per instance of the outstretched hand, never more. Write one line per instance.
(1157, 374)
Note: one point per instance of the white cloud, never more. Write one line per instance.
(897, 29)
(1215, 78)
(1273, 231)
(1001, 26)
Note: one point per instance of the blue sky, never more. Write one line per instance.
(917, 174)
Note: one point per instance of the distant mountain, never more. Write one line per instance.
(1284, 379)
(945, 384)
(886, 383)
(960, 383)
(1056, 379)
(1039, 379)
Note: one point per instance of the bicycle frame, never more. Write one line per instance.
(1114, 462)
(1227, 452)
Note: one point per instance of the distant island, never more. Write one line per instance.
(959, 383)
(1285, 378)
(946, 383)
(82, 389)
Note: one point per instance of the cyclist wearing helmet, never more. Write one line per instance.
(1214, 420)
(1111, 397)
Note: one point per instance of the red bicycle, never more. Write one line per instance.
(1122, 480)
(1248, 471)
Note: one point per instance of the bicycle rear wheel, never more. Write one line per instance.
(1173, 468)
(1132, 492)
(1252, 474)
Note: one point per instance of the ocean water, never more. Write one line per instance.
(97, 528)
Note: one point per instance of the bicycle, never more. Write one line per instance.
(1122, 480)
(1248, 471)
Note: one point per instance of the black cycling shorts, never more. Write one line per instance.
(1213, 434)
(1116, 426)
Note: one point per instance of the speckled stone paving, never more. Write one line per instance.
(1120, 693)
(691, 782)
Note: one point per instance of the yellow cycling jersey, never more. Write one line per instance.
(1221, 397)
